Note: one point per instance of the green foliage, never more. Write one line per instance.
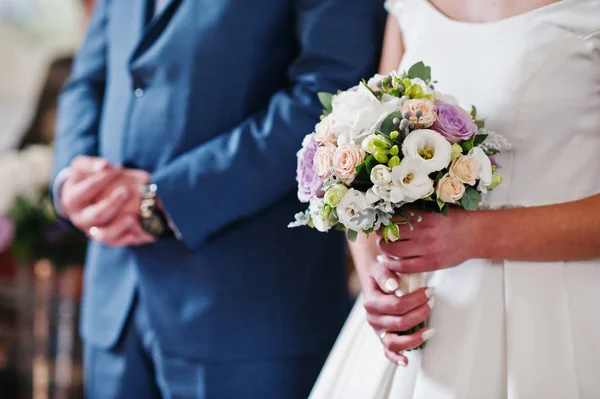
(420, 70)
(387, 126)
(478, 139)
(468, 145)
(471, 199)
(473, 112)
(352, 235)
(326, 100)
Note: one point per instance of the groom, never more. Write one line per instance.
(175, 152)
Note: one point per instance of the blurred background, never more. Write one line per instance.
(41, 257)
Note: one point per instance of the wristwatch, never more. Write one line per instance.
(152, 219)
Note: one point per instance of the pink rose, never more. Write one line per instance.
(323, 160)
(345, 161)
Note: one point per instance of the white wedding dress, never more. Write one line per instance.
(518, 330)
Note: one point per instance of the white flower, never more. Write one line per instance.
(445, 98)
(381, 175)
(325, 132)
(350, 209)
(323, 160)
(450, 189)
(374, 82)
(485, 168)
(420, 82)
(388, 193)
(494, 141)
(465, 169)
(411, 178)
(316, 210)
(358, 113)
(430, 147)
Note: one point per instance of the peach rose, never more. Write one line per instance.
(345, 161)
(428, 115)
(450, 189)
(324, 131)
(323, 160)
(465, 169)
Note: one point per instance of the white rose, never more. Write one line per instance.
(381, 175)
(324, 131)
(315, 208)
(358, 113)
(388, 193)
(450, 189)
(323, 160)
(485, 168)
(428, 146)
(411, 177)
(465, 169)
(345, 160)
(353, 203)
(427, 109)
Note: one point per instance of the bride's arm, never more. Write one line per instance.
(569, 231)
(364, 250)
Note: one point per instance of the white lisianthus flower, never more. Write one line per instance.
(420, 82)
(316, 215)
(353, 203)
(450, 189)
(428, 146)
(485, 168)
(465, 169)
(334, 195)
(388, 193)
(358, 113)
(411, 177)
(381, 175)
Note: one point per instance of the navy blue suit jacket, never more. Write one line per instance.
(213, 97)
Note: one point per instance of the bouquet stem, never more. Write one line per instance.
(410, 283)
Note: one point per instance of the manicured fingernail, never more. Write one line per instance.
(430, 303)
(399, 293)
(429, 292)
(428, 334)
(401, 363)
(380, 258)
(101, 165)
(391, 285)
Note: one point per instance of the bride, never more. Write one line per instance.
(516, 286)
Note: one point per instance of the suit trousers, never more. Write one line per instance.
(137, 369)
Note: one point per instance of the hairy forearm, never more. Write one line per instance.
(569, 231)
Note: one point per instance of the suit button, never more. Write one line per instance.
(138, 92)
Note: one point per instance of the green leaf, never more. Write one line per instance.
(468, 145)
(473, 112)
(420, 70)
(479, 138)
(445, 210)
(387, 126)
(326, 99)
(440, 203)
(480, 124)
(471, 199)
(352, 235)
(370, 163)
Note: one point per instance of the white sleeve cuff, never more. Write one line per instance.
(57, 186)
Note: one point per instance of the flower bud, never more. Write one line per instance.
(380, 156)
(416, 91)
(391, 233)
(456, 152)
(325, 212)
(496, 181)
(394, 150)
(334, 195)
(376, 142)
(394, 135)
(394, 161)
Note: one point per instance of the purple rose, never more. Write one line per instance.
(454, 123)
(309, 184)
(7, 231)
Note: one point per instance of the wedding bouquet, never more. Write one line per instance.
(388, 143)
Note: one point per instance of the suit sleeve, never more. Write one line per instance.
(80, 103)
(243, 171)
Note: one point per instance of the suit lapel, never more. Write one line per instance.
(156, 25)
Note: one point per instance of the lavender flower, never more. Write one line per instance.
(309, 183)
(454, 123)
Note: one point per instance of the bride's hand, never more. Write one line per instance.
(387, 313)
(437, 242)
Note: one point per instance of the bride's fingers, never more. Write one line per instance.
(386, 280)
(398, 343)
(399, 323)
(402, 248)
(396, 358)
(382, 304)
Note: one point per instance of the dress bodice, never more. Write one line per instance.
(534, 77)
